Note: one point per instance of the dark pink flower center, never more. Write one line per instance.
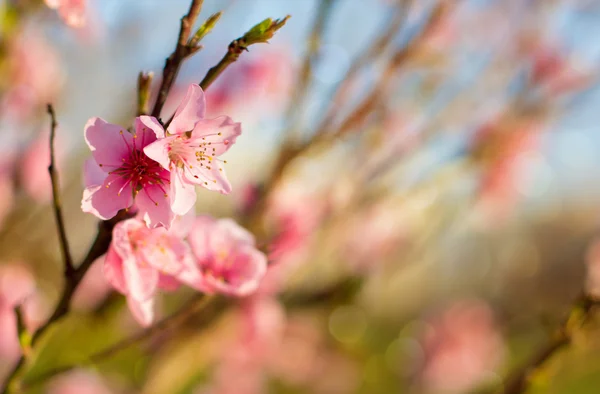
(139, 171)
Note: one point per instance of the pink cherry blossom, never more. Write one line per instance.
(142, 260)
(462, 347)
(190, 147)
(72, 12)
(125, 174)
(227, 256)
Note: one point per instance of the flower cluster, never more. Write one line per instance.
(154, 171)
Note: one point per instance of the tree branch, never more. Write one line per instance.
(174, 61)
(314, 45)
(518, 381)
(60, 224)
(195, 305)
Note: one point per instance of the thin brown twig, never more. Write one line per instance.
(98, 248)
(355, 119)
(174, 61)
(518, 381)
(234, 50)
(57, 206)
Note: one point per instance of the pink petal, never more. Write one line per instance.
(144, 124)
(190, 274)
(73, 12)
(113, 271)
(200, 235)
(248, 268)
(140, 278)
(105, 202)
(168, 283)
(93, 175)
(159, 151)
(154, 206)
(142, 310)
(189, 112)
(236, 232)
(183, 194)
(210, 129)
(109, 143)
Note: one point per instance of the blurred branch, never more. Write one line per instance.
(144, 84)
(182, 50)
(98, 248)
(289, 151)
(376, 49)
(195, 305)
(60, 223)
(298, 96)
(518, 381)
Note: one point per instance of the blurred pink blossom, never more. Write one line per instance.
(79, 382)
(262, 82)
(142, 260)
(505, 148)
(72, 12)
(33, 168)
(190, 147)
(592, 281)
(372, 235)
(125, 175)
(295, 214)
(17, 287)
(554, 71)
(462, 348)
(30, 86)
(227, 257)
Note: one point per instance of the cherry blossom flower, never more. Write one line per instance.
(190, 147)
(225, 252)
(120, 173)
(142, 260)
(72, 12)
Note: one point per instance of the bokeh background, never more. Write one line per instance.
(429, 239)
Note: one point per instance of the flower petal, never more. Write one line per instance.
(183, 194)
(113, 271)
(159, 151)
(189, 112)
(154, 206)
(106, 200)
(220, 132)
(109, 143)
(211, 176)
(248, 268)
(93, 175)
(140, 278)
(142, 310)
(144, 124)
